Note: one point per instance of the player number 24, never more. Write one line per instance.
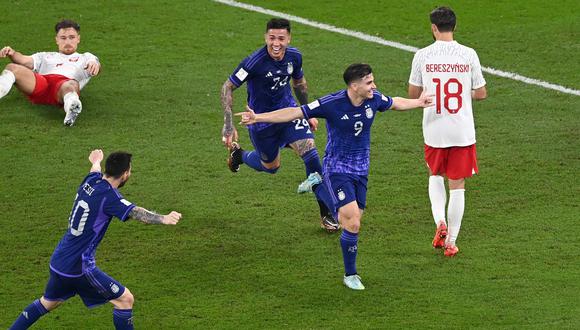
(448, 95)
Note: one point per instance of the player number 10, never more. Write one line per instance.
(448, 95)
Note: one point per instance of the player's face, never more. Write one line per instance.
(67, 40)
(365, 87)
(277, 41)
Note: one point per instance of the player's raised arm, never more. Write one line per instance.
(401, 103)
(278, 116)
(17, 57)
(96, 157)
(229, 132)
(145, 216)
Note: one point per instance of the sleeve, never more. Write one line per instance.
(314, 109)
(240, 74)
(90, 57)
(416, 76)
(477, 80)
(91, 176)
(298, 73)
(385, 103)
(117, 206)
(37, 59)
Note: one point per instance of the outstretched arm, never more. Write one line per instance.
(17, 57)
(96, 157)
(400, 103)
(145, 216)
(278, 116)
(229, 132)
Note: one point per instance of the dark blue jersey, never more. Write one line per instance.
(348, 128)
(268, 80)
(96, 203)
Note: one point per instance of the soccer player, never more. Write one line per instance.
(452, 73)
(268, 72)
(349, 116)
(72, 265)
(53, 78)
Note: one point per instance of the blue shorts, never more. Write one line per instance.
(269, 140)
(345, 188)
(95, 287)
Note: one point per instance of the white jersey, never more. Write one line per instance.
(71, 66)
(449, 71)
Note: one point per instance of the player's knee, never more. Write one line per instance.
(50, 304)
(271, 170)
(70, 86)
(126, 300)
(15, 68)
(272, 167)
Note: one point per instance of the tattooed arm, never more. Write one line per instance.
(229, 132)
(141, 214)
(301, 91)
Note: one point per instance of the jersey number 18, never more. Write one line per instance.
(448, 95)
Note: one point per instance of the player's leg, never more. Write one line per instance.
(266, 154)
(350, 217)
(462, 164)
(123, 311)
(435, 158)
(19, 75)
(68, 95)
(56, 292)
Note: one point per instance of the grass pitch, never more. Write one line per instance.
(249, 253)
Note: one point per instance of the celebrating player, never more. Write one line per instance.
(349, 115)
(72, 266)
(53, 78)
(268, 72)
(452, 73)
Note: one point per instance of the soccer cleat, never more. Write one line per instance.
(329, 223)
(353, 282)
(72, 109)
(440, 235)
(312, 180)
(451, 250)
(235, 157)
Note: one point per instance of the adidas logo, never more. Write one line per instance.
(269, 75)
(345, 117)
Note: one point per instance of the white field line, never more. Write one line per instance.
(394, 44)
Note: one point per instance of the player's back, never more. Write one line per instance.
(95, 204)
(449, 71)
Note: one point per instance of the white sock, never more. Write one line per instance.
(455, 213)
(7, 79)
(438, 197)
(68, 98)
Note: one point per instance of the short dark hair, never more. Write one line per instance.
(356, 71)
(278, 23)
(444, 18)
(117, 163)
(67, 23)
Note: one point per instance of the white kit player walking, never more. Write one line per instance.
(452, 73)
(53, 78)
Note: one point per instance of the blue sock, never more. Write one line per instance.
(123, 319)
(349, 244)
(30, 314)
(252, 159)
(312, 162)
(324, 200)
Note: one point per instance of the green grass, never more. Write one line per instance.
(248, 253)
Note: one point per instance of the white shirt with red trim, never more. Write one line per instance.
(449, 71)
(71, 66)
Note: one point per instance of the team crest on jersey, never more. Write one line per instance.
(369, 112)
(290, 68)
(341, 195)
(73, 59)
(114, 288)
